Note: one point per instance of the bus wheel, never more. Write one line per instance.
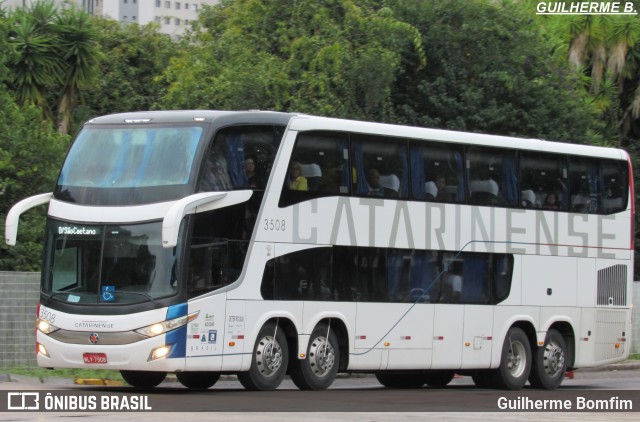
(402, 381)
(550, 362)
(198, 380)
(143, 379)
(515, 364)
(438, 378)
(319, 369)
(269, 362)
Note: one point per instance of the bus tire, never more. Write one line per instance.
(438, 378)
(320, 367)
(269, 360)
(515, 363)
(143, 379)
(200, 380)
(550, 362)
(401, 381)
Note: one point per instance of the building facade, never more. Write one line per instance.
(173, 17)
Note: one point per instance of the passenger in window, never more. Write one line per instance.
(551, 201)
(373, 181)
(441, 185)
(296, 180)
(250, 173)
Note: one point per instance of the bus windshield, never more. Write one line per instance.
(100, 264)
(143, 164)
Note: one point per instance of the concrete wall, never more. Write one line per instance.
(19, 295)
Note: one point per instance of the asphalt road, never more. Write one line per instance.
(351, 399)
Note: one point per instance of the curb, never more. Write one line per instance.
(628, 365)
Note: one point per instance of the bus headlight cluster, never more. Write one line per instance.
(166, 326)
(45, 327)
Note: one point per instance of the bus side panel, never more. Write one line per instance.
(478, 338)
(205, 334)
(585, 344)
(549, 280)
(411, 340)
(586, 285)
(448, 323)
(235, 336)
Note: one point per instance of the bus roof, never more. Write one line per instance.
(302, 122)
(187, 116)
(305, 123)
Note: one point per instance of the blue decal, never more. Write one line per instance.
(177, 337)
(108, 293)
(176, 311)
(213, 335)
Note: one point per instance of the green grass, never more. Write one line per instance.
(634, 356)
(65, 373)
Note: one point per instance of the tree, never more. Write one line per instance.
(132, 61)
(78, 39)
(37, 66)
(56, 59)
(489, 71)
(31, 153)
(336, 58)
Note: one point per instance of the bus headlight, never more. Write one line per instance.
(166, 326)
(45, 327)
(160, 352)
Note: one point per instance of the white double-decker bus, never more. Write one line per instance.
(263, 244)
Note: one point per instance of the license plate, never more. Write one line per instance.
(95, 358)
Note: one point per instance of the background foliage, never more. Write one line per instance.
(476, 65)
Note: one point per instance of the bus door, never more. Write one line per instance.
(208, 270)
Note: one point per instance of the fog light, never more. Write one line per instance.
(160, 352)
(42, 350)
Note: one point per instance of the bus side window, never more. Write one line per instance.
(584, 186)
(345, 287)
(437, 173)
(319, 167)
(492, 176)
(543, 181)
(614, 181)
(380, 167)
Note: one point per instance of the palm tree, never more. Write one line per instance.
(37, 66)
(57, 51)
(78, 40)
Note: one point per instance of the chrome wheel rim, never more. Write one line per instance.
(516, 359)
(321, 356)
(268, 356)
(553, 359)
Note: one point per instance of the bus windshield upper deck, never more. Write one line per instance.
(118, 163)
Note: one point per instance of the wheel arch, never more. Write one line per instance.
(526, 324)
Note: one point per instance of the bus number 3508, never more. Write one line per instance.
(274, 225)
